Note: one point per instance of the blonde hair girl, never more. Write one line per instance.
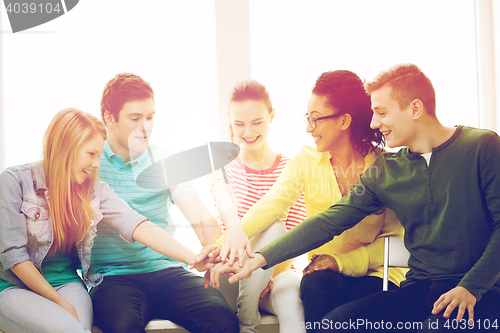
(49, 211)
(69, 205)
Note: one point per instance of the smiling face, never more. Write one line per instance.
(129, 136)
(250, 123)
(395, 124)
(327, 131)
(87, 158)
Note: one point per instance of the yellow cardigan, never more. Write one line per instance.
(359, 251)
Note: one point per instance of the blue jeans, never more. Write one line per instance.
(22, 310)
(126, 303)
(409, 308)
(324, 291)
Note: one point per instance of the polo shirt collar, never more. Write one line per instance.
(409, 154)
(118, 160)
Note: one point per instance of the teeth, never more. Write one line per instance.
(86, 171)
(316, 138)
(250, 140)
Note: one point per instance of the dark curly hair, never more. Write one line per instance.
(344, 92)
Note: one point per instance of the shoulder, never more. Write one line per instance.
(99, 184)
(310, 154)
(17, 179)
(102, 191)
(18, 172)
(476, 135)
(469, 141)
(310, 150)
(372, 155)
(282, 158)
(387, 159)
(8, 177)
(280, 162)
(22, 167)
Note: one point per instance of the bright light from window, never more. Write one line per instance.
(66, 63)
(293, 42)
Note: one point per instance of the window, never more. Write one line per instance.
(66, 63)
(292, 44)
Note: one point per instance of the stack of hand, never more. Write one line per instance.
(218, 263)
(221, 261)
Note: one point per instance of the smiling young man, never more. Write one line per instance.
(140, 284)
(444, 186)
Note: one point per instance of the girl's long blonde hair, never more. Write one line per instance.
(69, 202)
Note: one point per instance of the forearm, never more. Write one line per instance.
(356, 263)
(208, 231)
(203, 223)
(312, 233)
(486, 271)
(32, 278)
(257, 262)
(273, 206)
(250, 265)
(295, 242)
(233, 226)
(230, 217)
(156, 238)
(211, 234)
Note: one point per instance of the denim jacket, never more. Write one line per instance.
(26, 226)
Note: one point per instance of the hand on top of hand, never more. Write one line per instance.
(321, 262)
(235, 245)
(207, 257)
(237, 273)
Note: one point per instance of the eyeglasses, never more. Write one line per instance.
(312, 121)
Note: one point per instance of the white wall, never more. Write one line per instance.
(66, 63)
(495, 40)
(487, 62)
